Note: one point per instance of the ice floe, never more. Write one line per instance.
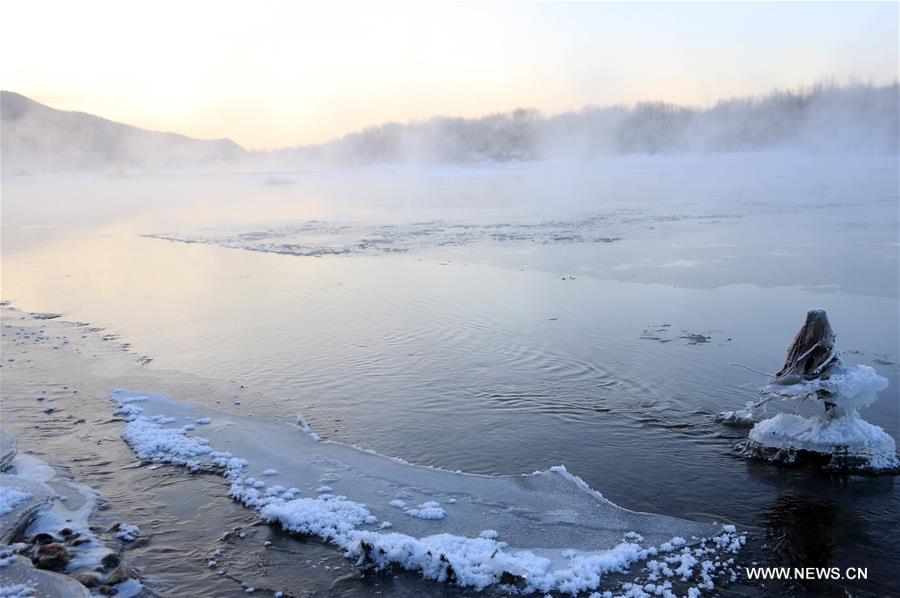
(318, 238)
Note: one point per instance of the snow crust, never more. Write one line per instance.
(557, 533)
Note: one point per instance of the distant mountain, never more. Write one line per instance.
(35, 138)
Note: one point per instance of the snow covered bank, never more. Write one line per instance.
(547, 531)
(46, 531)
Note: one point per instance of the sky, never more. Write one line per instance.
(274, 74)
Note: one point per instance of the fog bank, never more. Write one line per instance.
(825, 117)
(821, 118)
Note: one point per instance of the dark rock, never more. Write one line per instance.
(53, 557)
(696, 339)
(88, 580)
(110, 561)
(120, 575)
(42, 538)
(508, 578)
(837, 461)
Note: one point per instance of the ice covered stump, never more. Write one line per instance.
(838, 438)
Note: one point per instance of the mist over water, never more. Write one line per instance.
(823, 118)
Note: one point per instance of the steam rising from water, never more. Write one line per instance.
(854, 117)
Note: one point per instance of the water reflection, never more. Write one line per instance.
(802, 530)
(823, 520)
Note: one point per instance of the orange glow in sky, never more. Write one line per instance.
(275, 74)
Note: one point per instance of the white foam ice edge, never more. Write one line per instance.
(549, 531)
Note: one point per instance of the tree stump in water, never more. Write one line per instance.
(838, 439)
(812, 354)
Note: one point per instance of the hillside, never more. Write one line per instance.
(39, 139)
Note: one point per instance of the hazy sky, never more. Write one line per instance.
(272, 74)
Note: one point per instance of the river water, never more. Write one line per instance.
(491, 319)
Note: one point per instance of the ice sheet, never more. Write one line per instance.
(548, 530)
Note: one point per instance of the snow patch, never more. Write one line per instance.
(128, 533)
(427, 510)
